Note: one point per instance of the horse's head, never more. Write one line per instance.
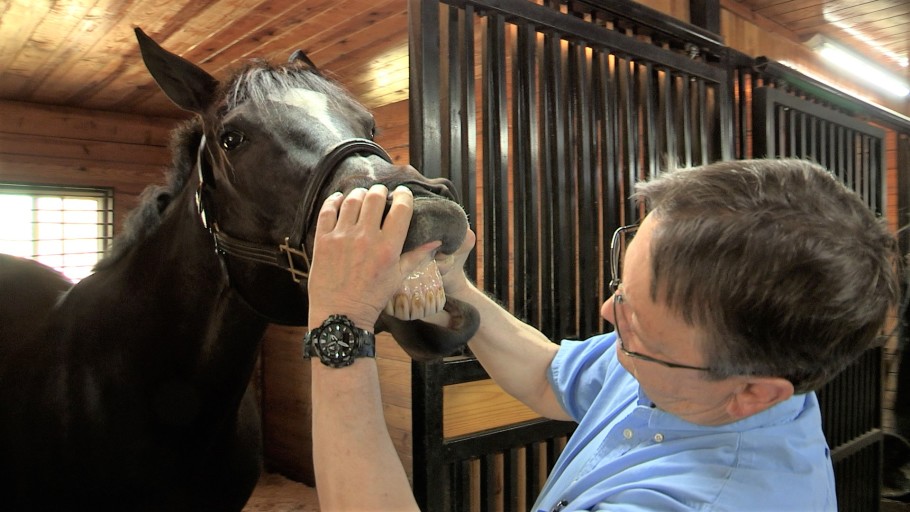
(275, 141)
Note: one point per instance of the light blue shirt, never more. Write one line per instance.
(628, 455)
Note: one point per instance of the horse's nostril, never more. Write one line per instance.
(440, 187)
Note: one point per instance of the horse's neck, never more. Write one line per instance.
(170, 298)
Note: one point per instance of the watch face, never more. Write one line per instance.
(337, 344)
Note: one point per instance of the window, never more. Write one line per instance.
(65, 228)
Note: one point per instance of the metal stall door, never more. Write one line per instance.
(544, 114)
(787, 126)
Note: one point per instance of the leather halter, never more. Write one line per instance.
(291, 254)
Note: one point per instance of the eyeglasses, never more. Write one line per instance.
(620, 239)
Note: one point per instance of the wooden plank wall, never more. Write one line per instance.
(49, 145)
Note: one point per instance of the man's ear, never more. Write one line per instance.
(757, 394)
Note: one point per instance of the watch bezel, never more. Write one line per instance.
(324, 342)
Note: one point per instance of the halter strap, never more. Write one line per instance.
(291, 254)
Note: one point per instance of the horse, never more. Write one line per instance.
(130, 390)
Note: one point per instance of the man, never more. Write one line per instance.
(746, 287)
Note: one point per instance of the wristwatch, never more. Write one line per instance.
(337, 342)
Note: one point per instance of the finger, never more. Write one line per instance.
(373, 206)
(328, 214)
(350, 207)
(418, 257)
(400, 213)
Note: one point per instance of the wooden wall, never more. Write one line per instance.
(49, 145)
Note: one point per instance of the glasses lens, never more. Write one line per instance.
(621, 239)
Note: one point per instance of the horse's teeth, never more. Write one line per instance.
(420, 295)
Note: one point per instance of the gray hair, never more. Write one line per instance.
(786, 271)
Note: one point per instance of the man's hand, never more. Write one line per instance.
(451, 266)
(357, 260)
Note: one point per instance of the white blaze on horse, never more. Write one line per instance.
(130, 390)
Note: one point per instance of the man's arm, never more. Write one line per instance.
(516, 355)
(356, 464)
(357, 266)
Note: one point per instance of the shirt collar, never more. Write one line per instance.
(783, 412)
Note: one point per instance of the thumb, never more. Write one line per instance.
(417, 257)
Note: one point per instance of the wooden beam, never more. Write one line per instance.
(705, 14)
(24, 118)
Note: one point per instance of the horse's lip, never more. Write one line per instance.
(443, 188)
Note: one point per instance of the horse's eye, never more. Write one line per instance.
(231, 140)
(372, 132)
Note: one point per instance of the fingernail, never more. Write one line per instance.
(336, 195)
(402, 188)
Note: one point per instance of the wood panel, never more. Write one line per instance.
(41, 144)
(76, 53)
(286, 407)
(480, 405)
(756, 35)
(84, 53)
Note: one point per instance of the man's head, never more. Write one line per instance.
(782, 270)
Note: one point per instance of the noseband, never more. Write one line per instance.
(291, 254)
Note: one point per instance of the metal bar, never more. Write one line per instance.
(489, 482)
(430, 484)
(495, 161)
(468, 115)
(549, 90)
(672, 145)
(705, 14)
(503, 438)
(630, 121)
(650, 84)
(586, 240)
(423, 57)
(532, 473)
(525, 240)
(686, 121)
(510, 480)
(575, 28)
(704, 135)
(642, 15)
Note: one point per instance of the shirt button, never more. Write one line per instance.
(627, 433)
(658, 437)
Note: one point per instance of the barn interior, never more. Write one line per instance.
(78, 110)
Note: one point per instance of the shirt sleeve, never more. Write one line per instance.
(581, 370)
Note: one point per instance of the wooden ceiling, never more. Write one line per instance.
(83, 52)
(879, 29)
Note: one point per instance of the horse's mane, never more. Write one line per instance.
(256, 82)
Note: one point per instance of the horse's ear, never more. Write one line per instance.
(185, 83)
(301, 56)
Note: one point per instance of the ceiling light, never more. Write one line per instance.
(858, 67)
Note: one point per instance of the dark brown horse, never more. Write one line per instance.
(130, 390)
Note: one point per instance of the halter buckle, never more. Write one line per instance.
(291, 251)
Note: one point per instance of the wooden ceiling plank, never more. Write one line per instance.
(756, 5)
(359, 47)
(850, 15)
(790, 9)
(259, 20)
(281, 39)
(19, 21)
(195, 22)
(201, 51)
(47, 49)
(850, 20)
(107, 49)
(292, 23)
